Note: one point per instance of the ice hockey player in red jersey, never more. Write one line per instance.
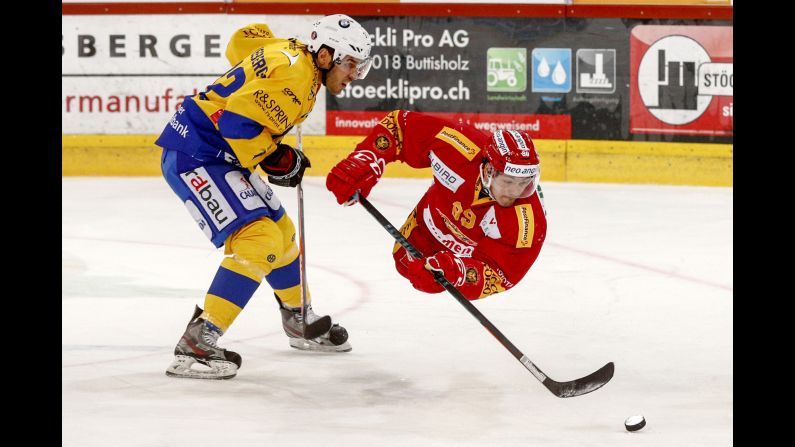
(482, 222)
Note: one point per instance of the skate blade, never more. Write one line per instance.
(182, 367)
(310, 345)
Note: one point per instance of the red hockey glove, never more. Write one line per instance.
(285, 166)
(359, 170)
(421, 273)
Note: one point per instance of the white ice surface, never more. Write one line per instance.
(634, 274)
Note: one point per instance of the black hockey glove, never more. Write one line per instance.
(285, 166)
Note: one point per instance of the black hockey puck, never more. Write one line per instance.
(635, 423)
(337, 335)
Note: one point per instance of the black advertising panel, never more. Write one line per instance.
(556, 78)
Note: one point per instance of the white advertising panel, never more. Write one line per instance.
(125, 74)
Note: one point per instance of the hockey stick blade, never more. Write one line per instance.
(318, 327)
(584, 385)
(573, 388)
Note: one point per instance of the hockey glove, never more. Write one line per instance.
(285, 166)
(422, 277)
(359, 170)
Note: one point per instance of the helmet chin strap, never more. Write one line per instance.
(323, 74)
(486, 186)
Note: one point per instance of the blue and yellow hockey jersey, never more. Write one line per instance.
(271, 87)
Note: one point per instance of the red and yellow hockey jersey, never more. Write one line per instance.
(498, 244)
(272, 86)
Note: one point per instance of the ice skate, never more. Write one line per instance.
(334, 339)
(199, 346)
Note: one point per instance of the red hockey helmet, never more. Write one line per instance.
(514, 163)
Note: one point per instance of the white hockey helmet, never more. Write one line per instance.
(346, 37)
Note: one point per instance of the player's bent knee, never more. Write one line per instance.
(257, 247)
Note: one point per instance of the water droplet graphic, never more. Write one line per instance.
(543, 68)
(559, 74)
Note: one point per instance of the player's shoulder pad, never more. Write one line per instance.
(521, 218)
(254, 31)
(462, 144)
(245, 40)
(525, 223)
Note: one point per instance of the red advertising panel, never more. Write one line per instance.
(538, 126)
(682, 80)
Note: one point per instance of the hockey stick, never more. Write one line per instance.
(572, 388)
(323, 324)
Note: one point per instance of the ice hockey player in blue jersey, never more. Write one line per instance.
(213, 148)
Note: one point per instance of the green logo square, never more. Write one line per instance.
(506, 69)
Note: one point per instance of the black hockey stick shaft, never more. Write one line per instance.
(323, 324)
(560, 389)
(301, 239)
